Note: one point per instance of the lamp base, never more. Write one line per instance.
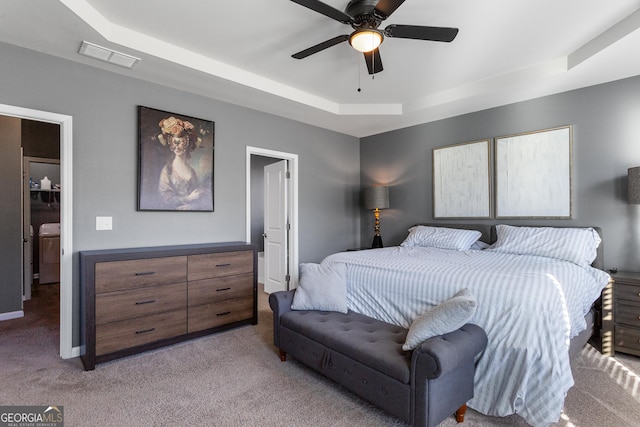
(377, 242)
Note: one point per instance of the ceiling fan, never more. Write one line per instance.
(365, 16)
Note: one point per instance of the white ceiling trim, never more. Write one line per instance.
(617, 32)
(141, 42)
(502, 83)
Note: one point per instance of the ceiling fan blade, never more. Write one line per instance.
(417, 32)
(385, 8)
(325, 9)
(320, 46)
(374, 61)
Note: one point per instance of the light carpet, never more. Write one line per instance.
(235, 378)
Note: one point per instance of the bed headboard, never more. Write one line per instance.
(489, 236)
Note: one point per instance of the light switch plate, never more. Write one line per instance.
(104, 223)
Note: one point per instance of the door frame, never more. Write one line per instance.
(293, 203)
(67, 350)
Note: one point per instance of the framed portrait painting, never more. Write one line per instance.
(175, 171)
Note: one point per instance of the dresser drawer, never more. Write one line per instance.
(120, 275)
(628, 314)
(209, 291)
(206, 266)
(121, 305)
(626, 292)
(120, 335)
(627, 337)
(211, 315)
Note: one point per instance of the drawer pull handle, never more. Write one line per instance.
(145, 273)
(144, 331)
(223, 265)
(151, 301)
(222, 289)
(223, 314)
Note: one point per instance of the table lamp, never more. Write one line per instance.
(376, 198)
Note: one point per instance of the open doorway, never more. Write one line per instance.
(256, 161)
(67, 350)
(42, 194)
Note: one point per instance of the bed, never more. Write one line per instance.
(532, 304)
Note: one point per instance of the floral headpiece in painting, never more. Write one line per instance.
(172, 127)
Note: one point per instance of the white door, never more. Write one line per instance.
(276, 225)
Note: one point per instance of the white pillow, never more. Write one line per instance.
(321, 287)
(446, 317)
(441, 237)
(577, 245)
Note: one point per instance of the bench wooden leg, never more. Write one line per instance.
(283, 356)
(460, 413)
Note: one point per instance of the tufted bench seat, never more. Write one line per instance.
(365, 355)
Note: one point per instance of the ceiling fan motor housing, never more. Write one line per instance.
(361, 11)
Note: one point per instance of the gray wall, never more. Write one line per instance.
(606, 141)
(105, 155)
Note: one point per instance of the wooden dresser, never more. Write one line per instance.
(626, 299)
(138, 299)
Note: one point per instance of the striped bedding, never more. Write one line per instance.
(530, 307)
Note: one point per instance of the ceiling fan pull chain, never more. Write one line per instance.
(373, 66)
(359, 73)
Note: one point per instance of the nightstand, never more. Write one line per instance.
(626, 309)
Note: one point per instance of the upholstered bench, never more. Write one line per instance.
(421, 387)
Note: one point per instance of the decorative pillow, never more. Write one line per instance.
(577, 245)
(441, 237)
(442, 319)
(322, 288)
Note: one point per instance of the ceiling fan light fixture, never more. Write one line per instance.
(365, 40)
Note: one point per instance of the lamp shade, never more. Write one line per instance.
(376, 197)
(633, 185)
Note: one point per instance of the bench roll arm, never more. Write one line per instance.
(280, 303)
(444, 353)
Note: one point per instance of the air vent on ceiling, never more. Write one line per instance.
(107, 55)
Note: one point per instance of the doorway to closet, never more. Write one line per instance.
(63, 125)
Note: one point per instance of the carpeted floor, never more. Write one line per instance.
(235, 378)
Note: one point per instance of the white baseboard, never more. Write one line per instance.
(75, 352)
(11, 315)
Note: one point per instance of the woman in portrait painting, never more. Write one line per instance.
(178, 185)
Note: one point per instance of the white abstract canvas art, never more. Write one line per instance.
(533, 174)
(461, 181)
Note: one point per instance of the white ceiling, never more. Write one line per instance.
(240, 52)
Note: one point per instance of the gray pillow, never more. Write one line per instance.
(321, 287)
(444, 318)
